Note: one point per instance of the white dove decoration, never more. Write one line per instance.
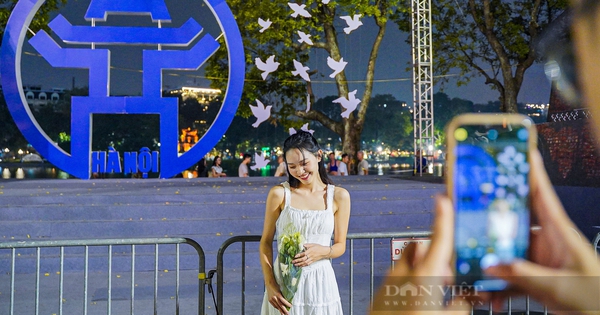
(353, 22)
(349, 104)
(336, 66)
(325, 1)
(299, 10)
(305, 38)
(301, 70)
(266, 67)
(261, 112)
(305, 128)
(264, 24)
(260, 162)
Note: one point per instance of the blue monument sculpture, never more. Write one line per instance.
(81, 161)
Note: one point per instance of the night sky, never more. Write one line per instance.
(391, 73)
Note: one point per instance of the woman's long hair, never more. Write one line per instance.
(303, 140)
(215, 160)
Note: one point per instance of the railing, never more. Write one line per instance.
(352, 238)
(90, 250)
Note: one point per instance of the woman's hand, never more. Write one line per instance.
(563, 271)
(277, 300)
(427, 266)
(311, 254)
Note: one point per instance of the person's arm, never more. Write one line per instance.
(425, 265)
(214, 172)
(341, 201)
(316, 252)
(273, 208)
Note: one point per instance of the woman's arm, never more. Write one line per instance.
(341, 206)
(273, 208)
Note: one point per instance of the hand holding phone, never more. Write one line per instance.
(488, 182)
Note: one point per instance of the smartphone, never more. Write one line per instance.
(488, 182)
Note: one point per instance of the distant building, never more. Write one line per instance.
(203, 95)
(38, 99)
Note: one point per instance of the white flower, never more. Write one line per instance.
(284, 269)
(294, 281)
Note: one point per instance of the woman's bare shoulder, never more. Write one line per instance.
(340, 194)
(276, 194)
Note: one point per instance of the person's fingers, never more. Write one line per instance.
(404, 266)
(525, 276)
(277, 302)
(440, 250)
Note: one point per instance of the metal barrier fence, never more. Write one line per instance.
(102, 252)
(524, 303)
(370, 238)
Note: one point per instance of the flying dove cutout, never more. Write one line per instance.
(261, 112)
(305, 38)
(266, 67)
(353, 22)
(325, 1)
(349, 104)
(301, 70)
(336, 66)
(298, 10)
(304, 127)
(264, 24)
(260, 162)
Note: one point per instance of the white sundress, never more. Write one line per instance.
(317, 292)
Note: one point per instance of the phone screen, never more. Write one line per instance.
(491, 198)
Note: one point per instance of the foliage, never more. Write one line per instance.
(490, 38)
(388, 121)
(40, 20)
(446, 108)
(286, 92)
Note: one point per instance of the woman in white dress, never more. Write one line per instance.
(310, 204)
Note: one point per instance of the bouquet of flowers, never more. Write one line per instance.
(290, 244)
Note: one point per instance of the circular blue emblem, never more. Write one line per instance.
(81, 160)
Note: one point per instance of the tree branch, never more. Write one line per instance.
(319, 116)
(488, 31)
(371, 72)
(533, 31)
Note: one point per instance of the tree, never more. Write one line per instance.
(283, 90)
(493, 38)
(40, 20)
(446, 108)
(388, 121)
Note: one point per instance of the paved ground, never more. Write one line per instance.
(207, 210)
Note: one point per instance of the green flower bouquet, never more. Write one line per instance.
(290, 244)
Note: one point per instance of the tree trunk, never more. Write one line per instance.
(351, 145)
(509, 102)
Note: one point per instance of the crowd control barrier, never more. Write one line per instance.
(358, 272)
(371, 245)
(107, 276)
